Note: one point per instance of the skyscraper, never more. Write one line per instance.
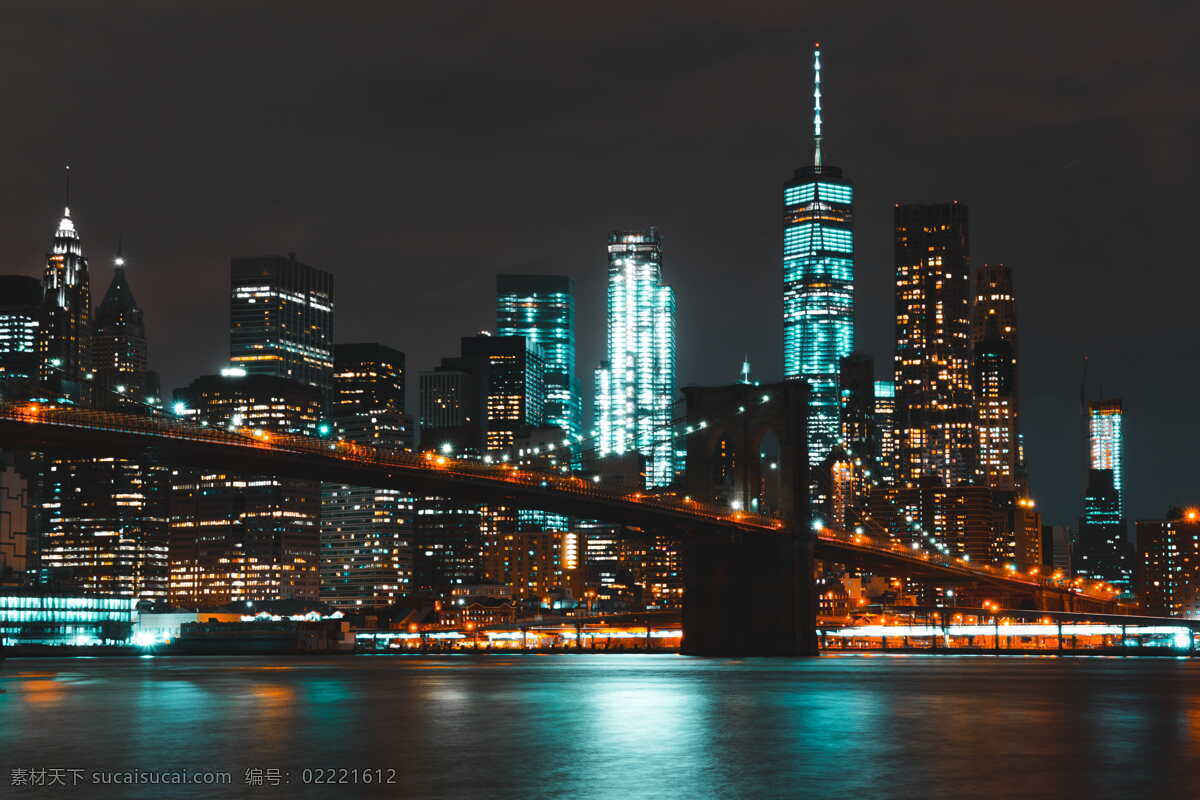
(20, 304)
(635, 385)
(66, 315)
(104, 520)
(1168, 571)
(119, 353)
(234, 536)
(935, 404)
(281, 319)
(994, 378)
(1102, 551)
(818, 282)
(366, 533)
(885, 431)
(1106, 442)
(485, 397)
(542, 309)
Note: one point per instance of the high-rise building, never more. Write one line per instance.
(66, 316)
(1102, 551)
(935, 404)
(20, 309)
(281, 319)
(994, 377)
(1106, 442)
(368, 396)
(366, 533)
(103, 521)
(542, 309)
(489, 394)
(119, 354)
(635, 385)
(1168, 569)
(818, 282)
(237, 537)
(885, 432)
(856, 389)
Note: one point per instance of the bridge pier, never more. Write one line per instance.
(749, 595)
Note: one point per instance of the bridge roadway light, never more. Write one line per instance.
(818, 525)
(447, 448)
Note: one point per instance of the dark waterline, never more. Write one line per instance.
(622, 726)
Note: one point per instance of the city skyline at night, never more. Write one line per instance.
(727, 245)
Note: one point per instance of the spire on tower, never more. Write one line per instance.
(67, 204)
(119, 259)
(817, 104)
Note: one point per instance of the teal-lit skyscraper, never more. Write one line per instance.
(635, 386)
(1106, 442)
(542, 309)
(818, 282)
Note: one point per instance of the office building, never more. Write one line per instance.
(1106, 442)
(65, 317)
(103, 521)
(885, 450)
(366, 533)
(1168, 569)
(486, 397)
(994, 378)
(237, 537)
(542, 309)
(818, 282)
(281, 319)
(635, 385)
(1102, 550)
(20, 310)
(856, 392)
(935, 404)
(121, 379)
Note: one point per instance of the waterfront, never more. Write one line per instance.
(628, 726)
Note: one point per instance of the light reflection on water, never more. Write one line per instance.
(621, 725)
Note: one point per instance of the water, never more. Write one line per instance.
(614, 726)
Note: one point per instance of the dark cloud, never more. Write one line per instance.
(418, 149)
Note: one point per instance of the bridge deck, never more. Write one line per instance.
(33, 426)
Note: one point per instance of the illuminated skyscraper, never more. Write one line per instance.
(366, 533)
(935, 405)
(236, 536)
(635, 385)
(542, 309)
(281, 319)
(1106, 442)
(104, 520)
(119, 353)
(20, 303)
(885, 431)
(818, 283)
(1102, 551)
(1168, 572)
(994, 339)
(66, 315)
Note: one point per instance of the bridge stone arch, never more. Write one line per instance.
(744, 416)
(750, 595)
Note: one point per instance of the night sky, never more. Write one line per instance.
(418, 149)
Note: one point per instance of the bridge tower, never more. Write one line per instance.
(750, 594)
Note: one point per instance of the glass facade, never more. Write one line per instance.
(366, 533)
(20, 298)
(542, 309)
(1102, 551)
(818, 284)
(1106, 442)
(635, 386)
(994, 378)
(935, 404)
(78, 621)
(281, 319)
